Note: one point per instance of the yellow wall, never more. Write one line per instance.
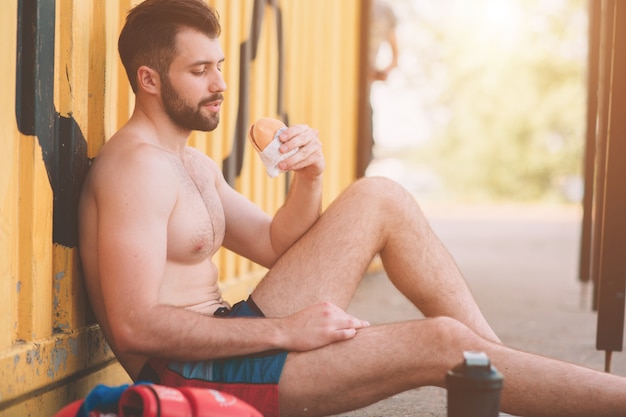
(50, 350)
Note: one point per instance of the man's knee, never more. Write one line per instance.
(436, 345)
(377, 185)
(451, 337)
(380, 192)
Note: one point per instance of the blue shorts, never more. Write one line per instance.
(252, 378)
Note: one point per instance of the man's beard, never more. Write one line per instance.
(185, 115)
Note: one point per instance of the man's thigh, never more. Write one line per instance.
(379, 362)
(327, 263)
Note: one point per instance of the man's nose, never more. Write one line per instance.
(218, 84)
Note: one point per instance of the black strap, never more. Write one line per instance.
(148, 374)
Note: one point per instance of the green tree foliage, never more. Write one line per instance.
(511, 76)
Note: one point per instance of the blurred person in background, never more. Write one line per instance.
(382, 34)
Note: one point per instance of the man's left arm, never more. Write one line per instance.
(303, 205)
(253, 234)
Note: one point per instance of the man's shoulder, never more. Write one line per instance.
(126, 151)
(129, 162)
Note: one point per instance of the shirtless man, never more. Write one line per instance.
(154, 211)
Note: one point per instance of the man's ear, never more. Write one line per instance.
(148, 80)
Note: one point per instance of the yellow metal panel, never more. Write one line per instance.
(120, 100)
(109, 18)
(97, 49)
(87, 39)
(116, 90)
(69, 302)
(322, 56)
(80, 92)
(35, 251)
(34, 365)
(126, 98)
(8, 177)
(50, 402)
(72, 66)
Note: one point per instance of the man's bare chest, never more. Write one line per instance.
(196, 227)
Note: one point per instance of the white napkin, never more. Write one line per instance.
(271, 155)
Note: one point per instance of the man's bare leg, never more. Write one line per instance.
(381, 361)
(372, 216)
(327, 264)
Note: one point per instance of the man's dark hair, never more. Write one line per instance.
(149, 35)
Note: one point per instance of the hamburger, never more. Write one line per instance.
(264, 131)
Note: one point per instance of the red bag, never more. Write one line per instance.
(159, 401)
(206, 402)
(149, 400)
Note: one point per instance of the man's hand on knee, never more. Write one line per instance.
(319, 325)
